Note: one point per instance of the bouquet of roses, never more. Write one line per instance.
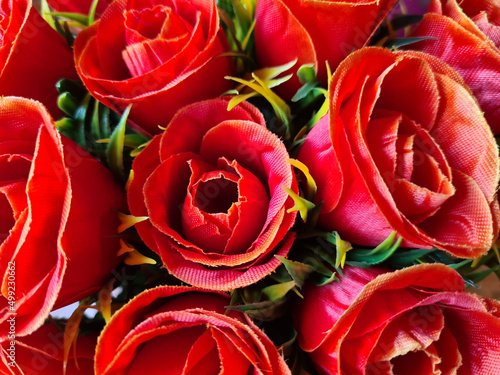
(249, 187)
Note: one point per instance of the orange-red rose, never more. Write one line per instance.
(467, 37)
(156, 55)
(187, 330)
(417, 320)
(405, 148)
(314, 32)
(212, 188)
(33, 56)
(58, 221)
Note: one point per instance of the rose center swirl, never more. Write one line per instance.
(153, 37)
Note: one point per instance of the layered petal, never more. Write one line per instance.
(123, 62)
(188, 325)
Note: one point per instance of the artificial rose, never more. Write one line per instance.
(187, 330)
(33, 56)
(417, 320)
(405, 149)
(78, 6)
(212, 187)
(156, 55)
(469, 45)
(314, 32)
(58, 222)
(42, 352)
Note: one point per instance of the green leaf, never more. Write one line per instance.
(305, 90)
(298, 271)
(302, 205)
(80, 18)
(93, 7)
(278, 291)
(401, 42)
(114, 152)
(378, 255)
(67, 103)
(481, 275)
(307, 73)
(409, 257)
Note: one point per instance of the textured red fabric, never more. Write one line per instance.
(80, 6)
(33, 56)
(314, 32)
(467, 37)
(154, 55)
(417, 320)
(212, 188)
(42, 352)
(188, 327)
(52, 192)
(406, 149)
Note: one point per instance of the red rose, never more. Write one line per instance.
(42, 352)
(187, 330)
(158, 57)
(314, 32)
(33, 56)
(57, 218)
(78, 6)
(405, 149)
(416, 320)
(212, 188)
(468, 45)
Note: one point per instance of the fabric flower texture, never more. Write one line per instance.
(212, 188)
(314, 32)
(466, 35)
(187, 330)
(405, 149)
(58, 222)
(156, 55)
(417, 320)
(42, 352)
(33, 56)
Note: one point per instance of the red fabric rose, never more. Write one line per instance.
(212, 188)
(469, 45)
(33, 56)
(42, 352)
(156, 55)
(417, 320)
(405, 149)
(314, 32)
(78, 6)
(57, 217)
(187, 329)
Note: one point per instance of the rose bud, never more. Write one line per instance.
(417, 320)
(157, 56)
(212, 188)
(405, 148)
(314, 32)
(33, 56)
(58, 219)
(188, 329)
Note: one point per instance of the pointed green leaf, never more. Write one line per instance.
(401, 42)
(114, 151)
(80, 18)
(278, 291)
(298, 271)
